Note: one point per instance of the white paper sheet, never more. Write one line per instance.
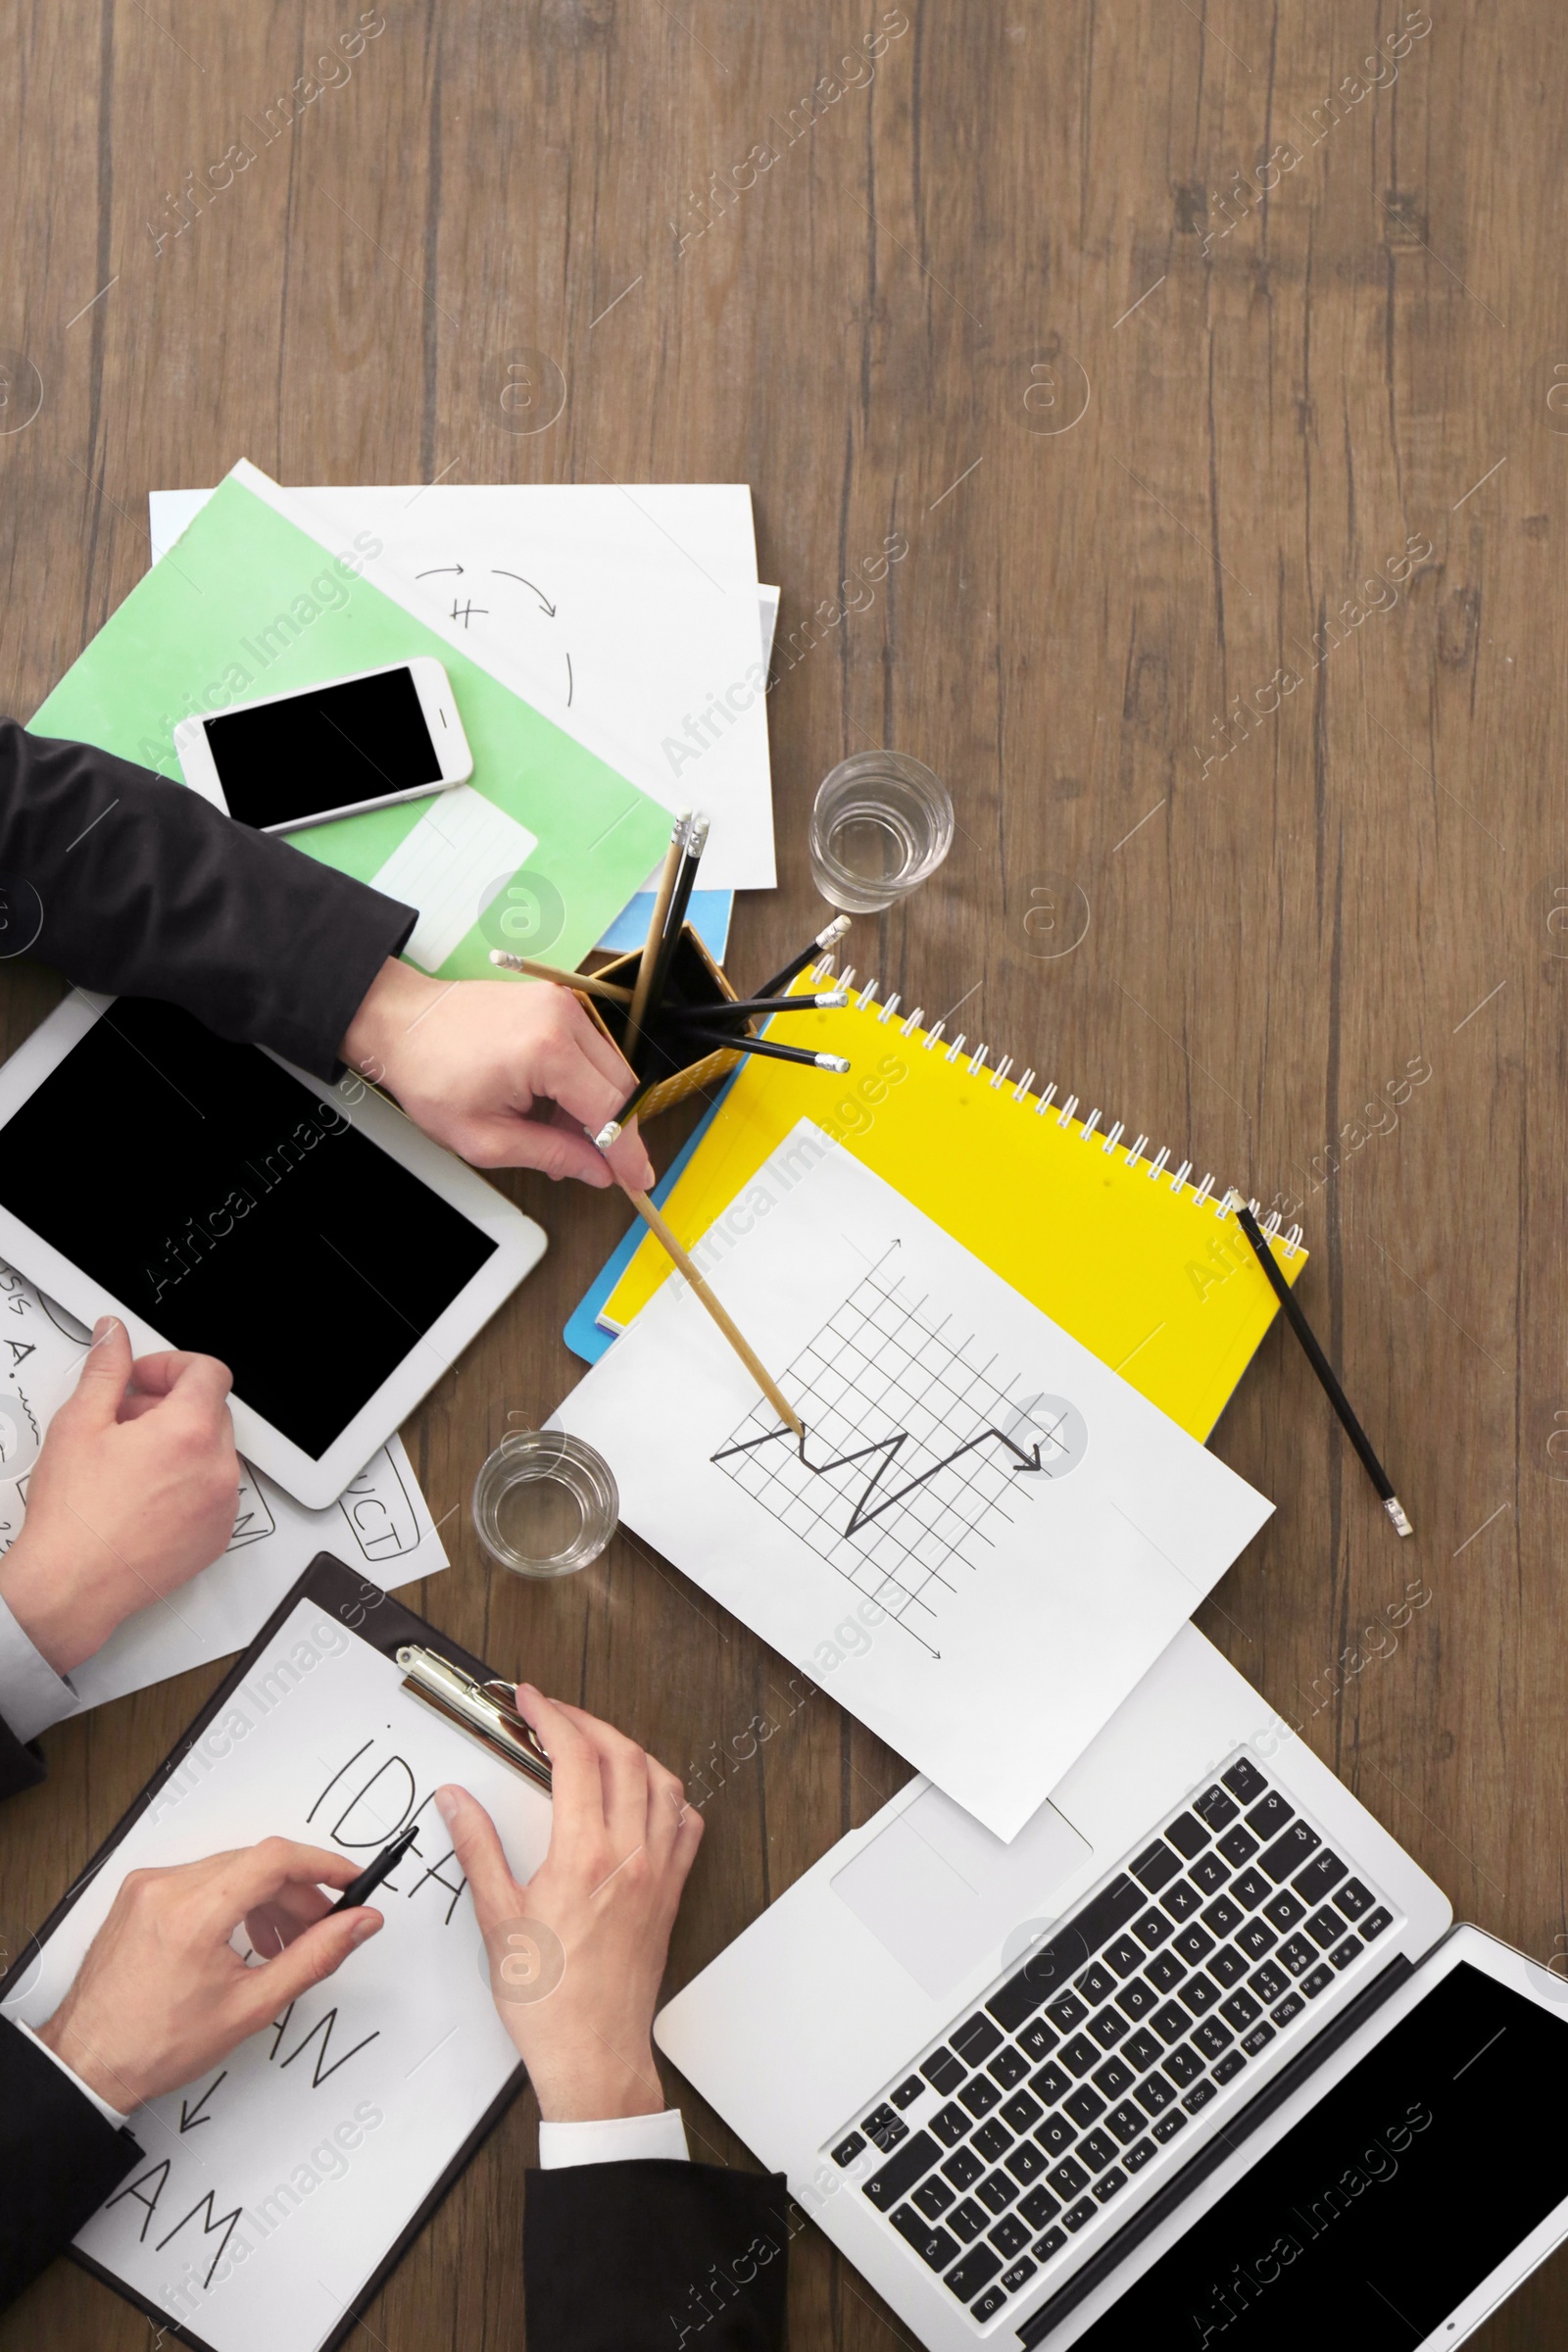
(631, 609)
(381, 1525)
(272, 2185)
(451, 866)
(986, 1617)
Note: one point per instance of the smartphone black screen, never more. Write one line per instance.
(283, 763)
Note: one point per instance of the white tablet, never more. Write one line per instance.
(220, 1200)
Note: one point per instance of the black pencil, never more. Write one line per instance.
(718, 1041)
(1324, 1370)
(729, 1009)
(369, 1880)
(797, 964)
(674, 921)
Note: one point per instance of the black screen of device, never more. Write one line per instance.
(239, 1213)
(1389, 2202)
(327, 748)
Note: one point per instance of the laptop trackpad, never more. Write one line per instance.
(939, 1892)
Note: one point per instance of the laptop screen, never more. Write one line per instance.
(1391, 2201)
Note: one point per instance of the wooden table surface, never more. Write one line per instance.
(1221, 400)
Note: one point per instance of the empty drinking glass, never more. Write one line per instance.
(881, 824)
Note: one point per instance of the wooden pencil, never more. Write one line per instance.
(610, 990)
(742, 1346)
(655, 933)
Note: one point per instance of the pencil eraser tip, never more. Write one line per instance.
(1396, 1513)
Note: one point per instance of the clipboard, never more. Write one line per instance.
(381, 1620)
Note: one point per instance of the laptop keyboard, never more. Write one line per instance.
(1084, 2067)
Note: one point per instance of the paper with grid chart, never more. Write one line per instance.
(988, 1536)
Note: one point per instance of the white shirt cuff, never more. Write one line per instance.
(110, 2115)
(616, 2140)
(32, 1696)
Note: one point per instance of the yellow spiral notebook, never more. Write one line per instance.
(1140, 1261)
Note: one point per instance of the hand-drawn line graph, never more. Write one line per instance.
(913, 1450)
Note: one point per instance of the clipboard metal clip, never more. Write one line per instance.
(487, 1710)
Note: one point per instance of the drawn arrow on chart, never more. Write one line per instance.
(435, 569)
(545, 605)
(189, 2118)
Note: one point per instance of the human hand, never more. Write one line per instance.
(133, 1492)
(162, 1995)
(598, 1913)
(475, 1062)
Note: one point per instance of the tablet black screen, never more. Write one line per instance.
(238, 1213)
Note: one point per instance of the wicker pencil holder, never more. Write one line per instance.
(695, 980)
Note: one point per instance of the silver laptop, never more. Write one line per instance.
(1196, 2052)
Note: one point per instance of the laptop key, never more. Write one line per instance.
(1244, 1781)
(1267, 1818)
(1155, 1867)
(1138, 2156)
(1319, 1981)
(989, 2304)
(1212, 2037)
(1165, 1971)
(1113, 2079)
(883, 2127)
(912, 2164)
(992, 2140)
(1055, 2133)
(1291, 2006)
(1320, 1877)
(1200, 2096)
(1126, 2120)
(1096, 1985)
(1020, 2276)
(1052, 2243)
(1183, 2066)
(1238, 1846)
(1201, 1993)
(1085, 2107)
(1040, 2207)
(1026, 2163)
(1256, 1938)
(1077, 2215)
(1136, 1998)
(1259, 2039)
(1269, 1981)
(977, 2270)
(1186, 1834)
(1297, 1954)
(1192, 1944)
(1226, 1966)
(1208, 1873)
(1079, 2054)
(1182, 1899)
(1008, 2067)
(1239, 2010)
(1106, 2185)
(1169, 2124)
(1142, 2052)
(1344, 1953)
(1355, 1898)
(1124, 1956)
(1037, 2040)
(937, 2247)
(1171, 2022)
(1020, 2111)
(1010, 2236)
(966, 2221)
(943, 2071)
(1067, 2178)
(1151, 1928)
(1375, 1924)
(996, 2192)
(847, 2149)
(1229, 2066)
(1286, 1854)
(980, 2095)
(1222, 1914)
(1097, 2150)
(975, 2038)
(1156, 2094)
(1050, 2082)
(1215, 1807)
(963, 2168)
(1284, 1912)
(1109, 2026)
(1325, 1927)
(1249, 1887)
(1067, 2012)
(951, 2124)
(907, 2091)
(932, 2198)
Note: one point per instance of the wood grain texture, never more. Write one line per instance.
(1296, 373)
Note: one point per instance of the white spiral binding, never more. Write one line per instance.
(975, 1064)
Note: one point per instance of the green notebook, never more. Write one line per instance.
(257, 598)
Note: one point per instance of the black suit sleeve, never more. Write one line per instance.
(651, 2255)
(59, 2159)
(19, 1767)
(127, 883)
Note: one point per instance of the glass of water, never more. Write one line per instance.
(545, 1503)
(881, 824)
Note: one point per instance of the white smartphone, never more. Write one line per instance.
(302, 759)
